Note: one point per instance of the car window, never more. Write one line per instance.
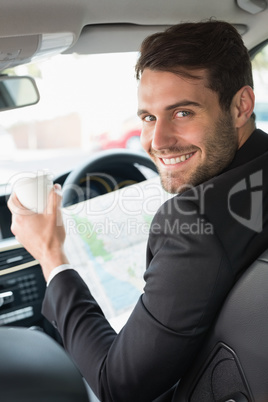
(260, 76)
(88, 103)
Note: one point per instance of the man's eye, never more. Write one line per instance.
(182, 113)
(149, 118)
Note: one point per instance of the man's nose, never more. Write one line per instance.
(163, 135)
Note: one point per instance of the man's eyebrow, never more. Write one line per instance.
(142, 111)
(182, 104)
(173, 106)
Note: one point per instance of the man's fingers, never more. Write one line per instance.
(57, 189)
(16, 207)
(54, 200)
(54, 205)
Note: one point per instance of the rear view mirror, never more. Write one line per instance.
(17, 92)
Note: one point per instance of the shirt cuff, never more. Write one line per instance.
(57, 270)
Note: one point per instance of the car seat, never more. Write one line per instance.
(233, 363)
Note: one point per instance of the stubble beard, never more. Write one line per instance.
(221, 146)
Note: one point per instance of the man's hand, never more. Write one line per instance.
(43, 234)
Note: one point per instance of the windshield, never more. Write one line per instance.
(88, 104)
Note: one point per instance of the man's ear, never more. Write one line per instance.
(243, 105)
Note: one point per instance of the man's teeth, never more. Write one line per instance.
(173, 161)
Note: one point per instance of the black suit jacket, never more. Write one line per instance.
(199, 243)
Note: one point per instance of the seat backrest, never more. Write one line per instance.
(233, 363)
(33, 367)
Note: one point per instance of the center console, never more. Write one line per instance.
(22, 286)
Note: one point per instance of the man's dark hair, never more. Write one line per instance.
(215, 46)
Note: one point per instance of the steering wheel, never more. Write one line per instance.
(105, 171)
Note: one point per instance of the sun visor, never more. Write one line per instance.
(114, 38)
(16, 50)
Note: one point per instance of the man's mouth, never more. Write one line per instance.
(178, 159)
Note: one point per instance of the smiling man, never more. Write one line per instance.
(196, 105)
(193, 123)
(185, 131)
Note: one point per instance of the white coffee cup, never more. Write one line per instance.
(33, 190)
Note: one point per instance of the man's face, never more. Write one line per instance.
(184, 130)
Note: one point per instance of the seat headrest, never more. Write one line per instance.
(33, 367)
